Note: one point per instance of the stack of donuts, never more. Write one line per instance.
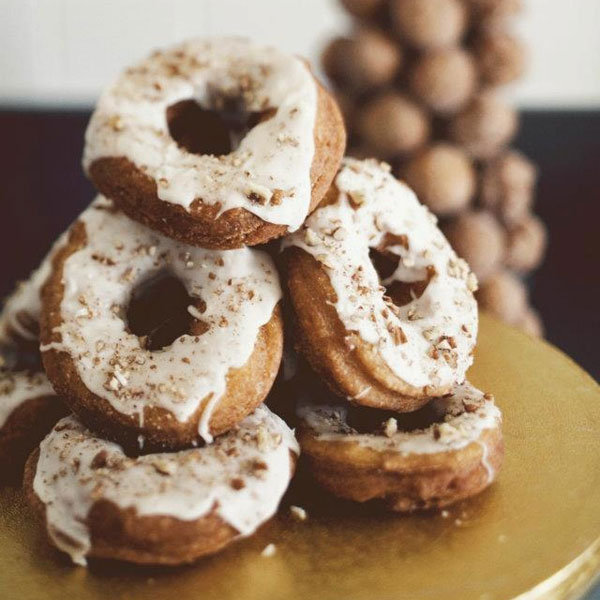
(418, 83)
(145, 345)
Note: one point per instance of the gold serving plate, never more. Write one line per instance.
(534, 534)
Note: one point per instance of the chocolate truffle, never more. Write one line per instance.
(443, 178)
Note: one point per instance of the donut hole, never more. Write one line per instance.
(158, 312)
(400, 293)
(217, 131)
(373, 421)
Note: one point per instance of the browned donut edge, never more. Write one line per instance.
(135, 192)
(121, 534)
(321, 338)
(246, 387)
(25, 427)
(404, 483)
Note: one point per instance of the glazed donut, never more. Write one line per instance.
(391, 349)
(157, 147)
(28, 410)
(124, 385)
(455, 451)
(170, 508)
(20, 316)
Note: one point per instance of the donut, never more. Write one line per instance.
(28, 410)
(450, 450)
(163, 508)
(217, 143)
(384, 307)
(170, 391)
(428, 24)
(20, 315)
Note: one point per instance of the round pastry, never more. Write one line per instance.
(477, 237)
(507, 186)
(505, 296)
(427, 24)
(132, 368)
(368, 60)
(443, 178)
(452, 449)
(500, 57)
(169, 508)
(218, 143)
(28, 410)
(484, 126)
(20, 316)
(444, 79)
(384, 307)
(526, 245)
(392, 124)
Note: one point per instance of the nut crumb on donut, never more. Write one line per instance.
(391, 427)
(298, 513)
(269, 550)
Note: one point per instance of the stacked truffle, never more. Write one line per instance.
(417, 81)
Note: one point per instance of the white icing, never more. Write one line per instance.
(240, 288)
(242, 476)
(458, 428)
(130, 121)
(439, 327)
(25, 302)
(18, 387)
(489, 469)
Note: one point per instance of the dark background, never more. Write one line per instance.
(42, 189)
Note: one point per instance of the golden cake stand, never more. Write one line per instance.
(534, 534)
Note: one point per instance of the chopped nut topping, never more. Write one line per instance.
(269, 550)
(391, 427)
(298, 513)
(164, 467)
(237, 483)
(116, 123)
(100, 460)
(472, 283)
